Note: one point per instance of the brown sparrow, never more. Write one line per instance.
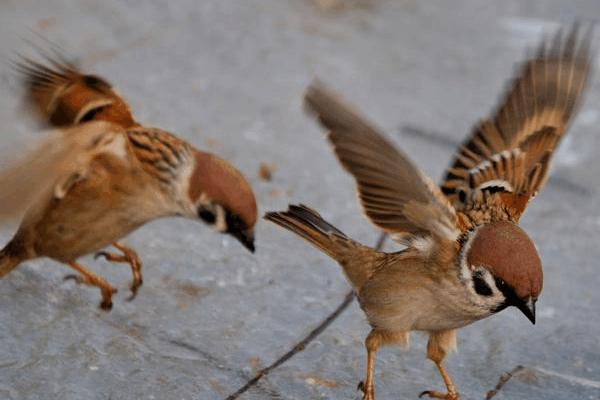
(466, 256)
(103, 175)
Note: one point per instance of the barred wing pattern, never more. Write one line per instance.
(509, 154)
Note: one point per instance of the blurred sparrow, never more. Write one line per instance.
(102, 175)
(466, 256)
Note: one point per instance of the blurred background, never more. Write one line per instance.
(228, 76)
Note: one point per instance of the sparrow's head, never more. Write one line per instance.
(223, 198)
(502, 268)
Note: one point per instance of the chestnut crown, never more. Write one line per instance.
(510, 255)
(510, 258)
(224, 198)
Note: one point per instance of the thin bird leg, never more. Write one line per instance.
(130, 257)
(89, 278)
(368, 386)
(451, 395)
(440, 343)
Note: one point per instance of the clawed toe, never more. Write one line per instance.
(368, 393)
(439, 395)
(101, 254)
(130, 257)
(134, 289)
(86, 277)
(73, 277)
(106, 305)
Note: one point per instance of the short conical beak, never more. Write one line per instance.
(246, 238)
(528, 308)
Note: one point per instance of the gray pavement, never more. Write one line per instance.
(228, 76)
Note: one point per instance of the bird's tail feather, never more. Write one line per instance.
(308, 224)
(355, 259)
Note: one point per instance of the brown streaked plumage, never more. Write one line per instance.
(102, 175)
(524, 131)
(466, 257)
(61, 95)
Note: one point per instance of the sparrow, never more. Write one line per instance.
(466, 258)
(100, 175)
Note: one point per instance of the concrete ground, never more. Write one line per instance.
(228, 76)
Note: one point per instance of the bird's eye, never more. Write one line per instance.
(207, 216)
(500, 283)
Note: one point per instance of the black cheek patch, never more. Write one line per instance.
(481, 287)
(207, 216)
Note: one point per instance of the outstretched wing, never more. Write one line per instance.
(59, 94)
(55, 164)
(394, 194)
(508, 156)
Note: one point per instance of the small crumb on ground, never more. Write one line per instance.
(266, 170)
(315, 380)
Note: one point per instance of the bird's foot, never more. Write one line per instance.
(368, 392)
(106, 290)
(130, 257)
(439, 395)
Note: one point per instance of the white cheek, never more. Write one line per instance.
(183, 189)
(465, 269)
(220, 223)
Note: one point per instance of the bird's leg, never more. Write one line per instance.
(89, 278)
(130, 257)
(451, 394)
(374, 341)
(437, 348)
(372, 344)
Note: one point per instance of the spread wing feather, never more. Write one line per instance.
(59, 94)
(510, 153)
(52, 165)
(394, 194)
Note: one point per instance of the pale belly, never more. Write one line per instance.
(408, 306)
(83, 232)
(90, 217)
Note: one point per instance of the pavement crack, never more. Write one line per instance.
(301, 345)
(503, 380)
(575, 380)
(212, 360)
(519, 370)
